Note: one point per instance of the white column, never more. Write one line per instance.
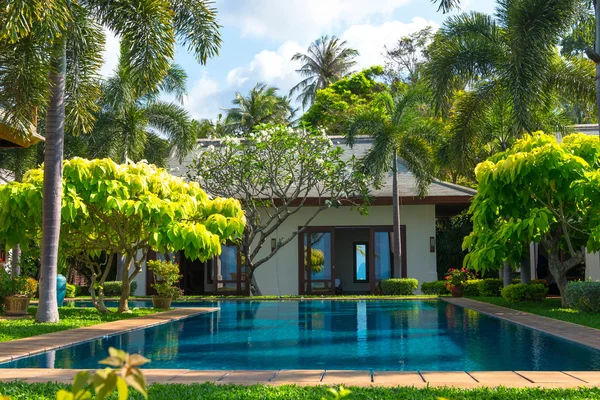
(592, 266)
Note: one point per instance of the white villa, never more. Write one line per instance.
(357, 249)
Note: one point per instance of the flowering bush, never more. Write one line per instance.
(457, 277)
(166, 275)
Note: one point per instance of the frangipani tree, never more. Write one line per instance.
(537, 191)
(123, 208)
(273, 172)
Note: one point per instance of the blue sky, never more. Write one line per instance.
(260, 37)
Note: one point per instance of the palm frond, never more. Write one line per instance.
(418, 159)
(174, 123)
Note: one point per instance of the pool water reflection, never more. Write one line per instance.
(321, 334)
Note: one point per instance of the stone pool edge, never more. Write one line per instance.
(419, 379)
(583, 335)
(33, 345)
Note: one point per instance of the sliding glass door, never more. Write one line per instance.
(316, 261)
(381, 255)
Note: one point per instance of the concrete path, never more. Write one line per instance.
(50, 341)
(460, 379)
(566, 330)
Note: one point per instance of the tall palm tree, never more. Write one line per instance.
(397, 125)
(262, 105)
(127, 127)
(504, 76)
(327, 60)
(41, 43)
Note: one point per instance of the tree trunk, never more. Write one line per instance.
(559, 270)
(15, 263)
(97, 301)
(507, 274)
(52, 190)
(126, 287)
(397, 272)
(597, 50)
(526, 270)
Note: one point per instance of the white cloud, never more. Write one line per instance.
(202, 100)
(301, 20)
(370, 39)
(272, 67)
(110, 55)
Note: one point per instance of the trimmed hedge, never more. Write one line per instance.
(435, 287)
(399, 286)
(524, 292)
(584, 296)
(490, 287)
(114, 288)
(71, 291)
(472, 288)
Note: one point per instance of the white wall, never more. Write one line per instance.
(592, 266)
(279, 276)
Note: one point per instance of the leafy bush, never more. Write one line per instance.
(114, 288)
(71, 291)
(584, 296)
(435, 287)
(83, 290)
(399, 286)
(523, 292)
(472, 287)
(490, 287)
(166, 275)
(19, 285)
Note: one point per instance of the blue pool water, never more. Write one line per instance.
(315, 334)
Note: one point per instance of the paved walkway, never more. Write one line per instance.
(41, 343)
(566, 330)
(519, 379)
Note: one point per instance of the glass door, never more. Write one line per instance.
(316, 261)
(381, 255)
(229, 274)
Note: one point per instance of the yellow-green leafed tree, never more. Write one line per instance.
(111, 208)
(537, 191)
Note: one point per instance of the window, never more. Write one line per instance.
(361, 265)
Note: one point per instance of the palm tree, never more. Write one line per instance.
(327, 60)
(261, 106)
(397, 125)
(127, 127)
(446, 5)
(41, 43)
(498, 78)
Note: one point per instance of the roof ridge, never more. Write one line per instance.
(456, 186)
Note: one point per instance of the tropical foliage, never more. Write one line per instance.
(327, 60)
(537, 191)
(499, 77)
(274, 171)
(337, 104)
(261, 106)
(42, 43)
(109, 208)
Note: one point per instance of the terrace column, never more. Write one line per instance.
(592, 266)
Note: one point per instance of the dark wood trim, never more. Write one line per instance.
(355, 269)
(387, 201)
(403, 250)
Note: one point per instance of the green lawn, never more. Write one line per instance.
(70, 318)
(548, 308)
(19, 390)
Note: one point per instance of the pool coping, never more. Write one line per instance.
(419, 379)
(580, 334)
(33, 345)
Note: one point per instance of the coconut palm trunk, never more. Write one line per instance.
(396, 218)
(52, 192)
(597, 50)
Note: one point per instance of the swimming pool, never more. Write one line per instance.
(324, 334)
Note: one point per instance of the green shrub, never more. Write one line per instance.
(82, 290)
(71, 291)
(435, 287)
(490, 287)
(584, 296)
(114, 288)
(472, 287)
(523, 292)
(399, 286)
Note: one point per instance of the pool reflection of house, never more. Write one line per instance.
(346, 239)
